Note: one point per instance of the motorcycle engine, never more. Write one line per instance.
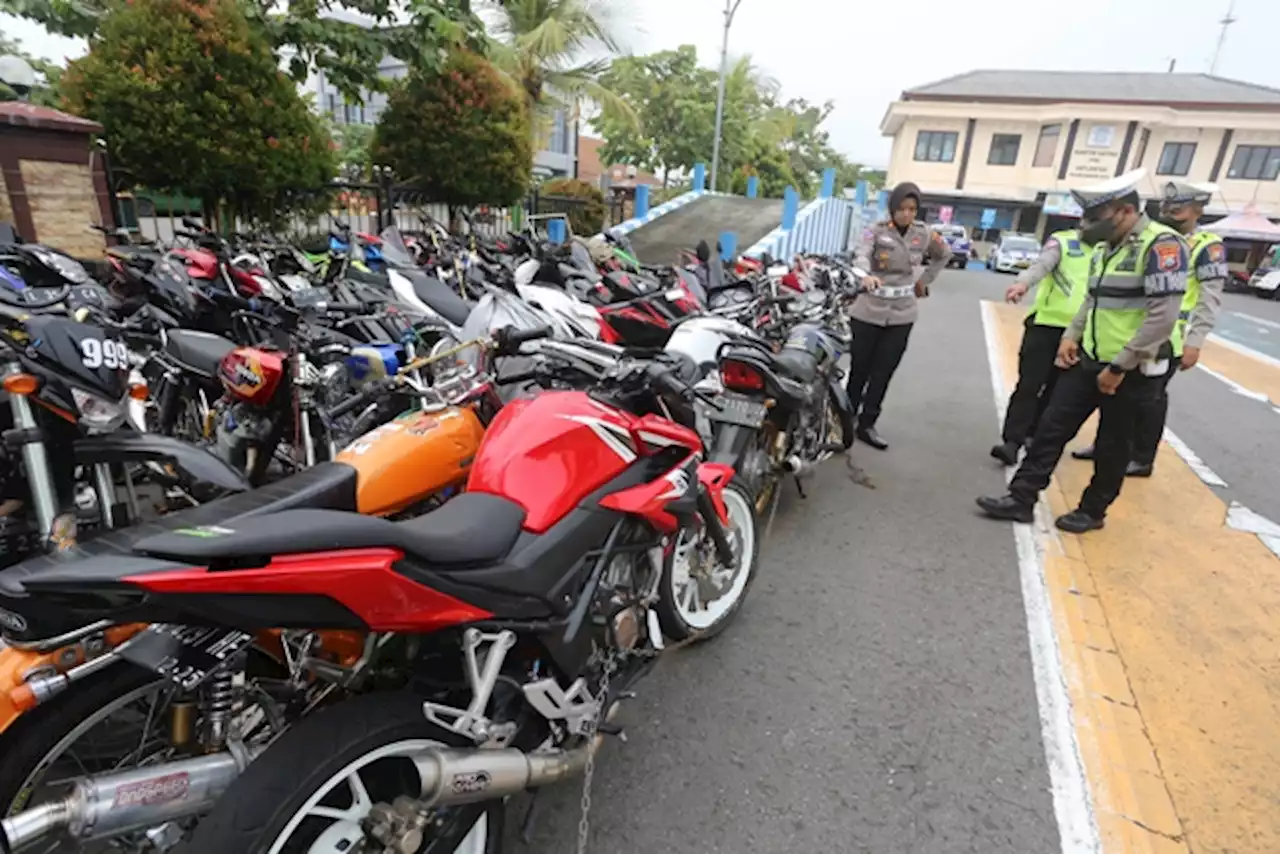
(241, 428)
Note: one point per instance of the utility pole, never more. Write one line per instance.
(730, 8)
(1222, 36)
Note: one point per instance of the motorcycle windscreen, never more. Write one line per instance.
(494, 311)
(394, 251)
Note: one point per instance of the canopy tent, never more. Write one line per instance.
(1247, 225)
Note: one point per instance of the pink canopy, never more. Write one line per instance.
(1247, 225)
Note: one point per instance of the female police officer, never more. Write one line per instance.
(895, 252)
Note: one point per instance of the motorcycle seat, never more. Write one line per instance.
(110, 555)
(474, 529)
(200, 352)
(442, 299)
(796, 364)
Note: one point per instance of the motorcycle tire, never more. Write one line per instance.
(846, 421)
(259, 806)
(674, 625)
(32, 737)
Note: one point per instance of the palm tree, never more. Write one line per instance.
(543, 47)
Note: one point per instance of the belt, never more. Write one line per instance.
(896, 293)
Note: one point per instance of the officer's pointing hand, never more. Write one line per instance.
(1015, 292)
(1068, 353)
(871, 283)
(1190, 356)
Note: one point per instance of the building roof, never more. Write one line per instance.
(23, 114)
(1123, 87)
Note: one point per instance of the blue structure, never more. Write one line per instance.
(828, 183)
(642, 201)
(860, 194)
(556, 232)
(699, 177)
(753, 187)
(728, 245)
(790, 206)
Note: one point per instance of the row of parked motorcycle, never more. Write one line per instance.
(335, 548)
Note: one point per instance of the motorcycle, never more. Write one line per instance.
(499, 633)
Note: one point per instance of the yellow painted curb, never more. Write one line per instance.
(1253, 374)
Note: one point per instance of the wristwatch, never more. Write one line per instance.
(1114, 368)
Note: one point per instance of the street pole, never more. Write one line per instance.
(730, 7)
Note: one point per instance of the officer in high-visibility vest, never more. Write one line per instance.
(1060, 276)
(1181, 209)
(1116, 351)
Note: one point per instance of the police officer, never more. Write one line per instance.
(1060, 276)
(1116, 350)
(1181, 209)
(895, 252)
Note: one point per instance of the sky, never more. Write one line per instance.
(862, 55)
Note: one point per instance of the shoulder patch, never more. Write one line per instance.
(1216, 251)
(1167, 254)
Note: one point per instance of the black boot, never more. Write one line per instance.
(1078, 522)
(1083, 453)
(1139, 470)
(1006, 452)
(869, 436)
(1006, 507)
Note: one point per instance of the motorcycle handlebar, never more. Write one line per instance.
(509, 340)
(357, 401)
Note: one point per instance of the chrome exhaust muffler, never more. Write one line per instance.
(451, 777)
(112, 804)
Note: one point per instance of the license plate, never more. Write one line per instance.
(310, 297)
(735, 409)
(185, 655)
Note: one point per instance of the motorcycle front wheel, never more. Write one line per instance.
(698, 595)
(310, 791)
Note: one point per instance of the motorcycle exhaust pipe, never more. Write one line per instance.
(112, 804)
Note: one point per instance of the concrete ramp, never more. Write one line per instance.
(705, 218)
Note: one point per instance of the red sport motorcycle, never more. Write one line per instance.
(501, 631)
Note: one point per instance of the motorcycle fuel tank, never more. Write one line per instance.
(408, 460)
(251, 374)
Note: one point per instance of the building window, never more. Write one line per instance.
(1047, 145)
(1142, 147)
(333, 106)
(938, 146)
(558, 135)
(1004, 149)
(1255, 162)
(1175, 159)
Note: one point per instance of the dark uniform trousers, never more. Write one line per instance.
(873, 357)
(1151, 417)
(1037, 375)
(1074, 400)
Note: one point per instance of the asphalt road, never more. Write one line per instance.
(875, 694)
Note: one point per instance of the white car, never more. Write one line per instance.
(1013, 253)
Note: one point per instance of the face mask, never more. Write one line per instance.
(1170, 218)
(1097, 231)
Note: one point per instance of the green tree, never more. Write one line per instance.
(767, 163)
(462, 136)
(193, 102)
(669, 95)
(354, 147)
(540, 44)
(45, 92)
(347, 52)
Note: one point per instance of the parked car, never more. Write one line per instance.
(1265, 283)
(1014, 252)
(957, 237)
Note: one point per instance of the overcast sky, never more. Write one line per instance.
(863, 54)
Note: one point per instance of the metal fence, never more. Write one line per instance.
(363, 206)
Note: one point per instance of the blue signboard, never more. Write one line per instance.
(988, 218)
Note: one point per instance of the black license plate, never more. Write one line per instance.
(310, 297)
(185, 655)
(735, 409)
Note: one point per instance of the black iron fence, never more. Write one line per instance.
(367, 207)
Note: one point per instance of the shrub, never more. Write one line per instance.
(586, 218)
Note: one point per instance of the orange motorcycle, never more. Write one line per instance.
(77, 675)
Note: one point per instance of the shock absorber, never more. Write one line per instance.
(217, 699)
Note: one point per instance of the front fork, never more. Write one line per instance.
(44, 493)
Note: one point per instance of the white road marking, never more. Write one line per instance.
(1241, 518)
(1234, 386)
(1259, 320)
(1245, 351)
(1193, 461)
(1072, 803)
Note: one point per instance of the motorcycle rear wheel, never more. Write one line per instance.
(278, 805)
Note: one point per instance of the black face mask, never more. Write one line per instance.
(1098, 231)
(1167, 217)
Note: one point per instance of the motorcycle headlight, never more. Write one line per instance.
(98, 413)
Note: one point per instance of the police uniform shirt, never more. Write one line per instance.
(899, 261)
(1211, 270)
(1164, 276)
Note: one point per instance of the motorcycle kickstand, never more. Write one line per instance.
(800, 488)
(526, 826)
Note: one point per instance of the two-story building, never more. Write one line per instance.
(1015, 142)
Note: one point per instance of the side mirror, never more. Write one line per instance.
(703, 251)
